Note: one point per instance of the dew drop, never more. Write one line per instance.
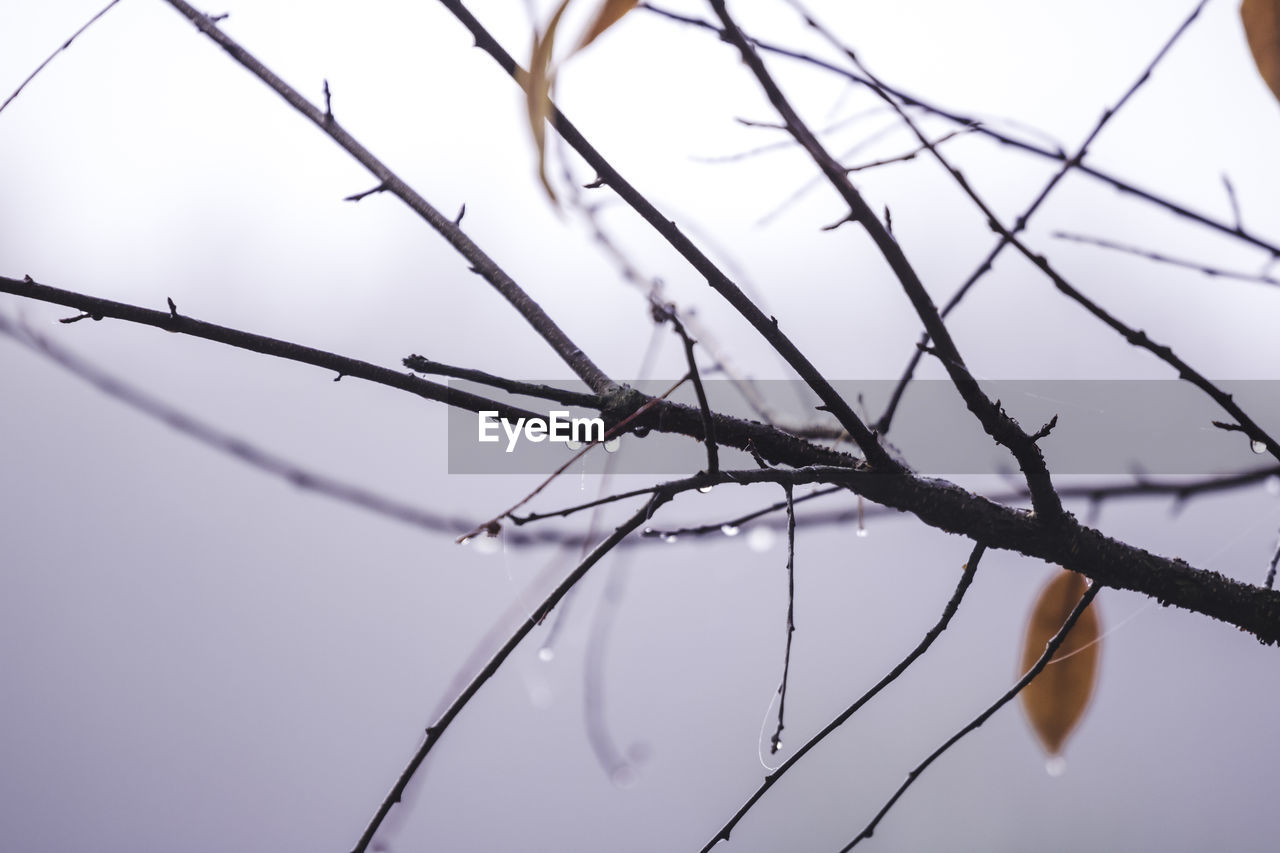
(670, 538)
(573, 444)
(760, 539)
(466, 541)
(546, 654)
(1056, 766)
(862, 533)
(1258, 446)
(706, 489)
(487, 545)
(729, 529)
(612, 444)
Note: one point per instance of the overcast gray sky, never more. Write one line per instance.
(198, 656)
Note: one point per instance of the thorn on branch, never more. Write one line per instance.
(1045, 430)
(462, 211)
(328, 103)
(28, 279)
(217, 19)
(173, 309)
(79, 317)
(834, 225)
(594, 185)
(338, 378)
(382, 187)
(888, 220)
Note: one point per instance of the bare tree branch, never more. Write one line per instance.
(389, 181)
(1040, 664)
(966, 578)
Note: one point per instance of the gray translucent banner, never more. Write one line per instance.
(1105, 427)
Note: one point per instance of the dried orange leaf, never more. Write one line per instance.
(611, 11)
(1262, 28)
(1057, 698)
(538, 82)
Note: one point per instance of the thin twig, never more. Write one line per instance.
(422, 364)
(767, 326)
(910, 100)
(1040, 664)
(97, 308)
(481, 263)
(775, 742)
(995, 422)
(910, 155)
(494, 524)
(1271, 572)
(1212, 272)
(66, 44)
(948, 612)
(709, 429)
(236, 447)
(438, 728)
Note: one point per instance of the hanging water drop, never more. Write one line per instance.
(670, 538)
(706, 489)
(1258, 446)
(612, 444)
(487, 545)
(573, 444)
(760, 539)
(861, 533)
(546, 654)
(729, 529)
(1056, 766)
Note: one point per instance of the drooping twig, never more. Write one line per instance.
(1040, 664)
(441, 724)
(238, 448)
(770, 780)
(66, 44)
(775, 742)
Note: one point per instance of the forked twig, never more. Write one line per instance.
(1040, 664)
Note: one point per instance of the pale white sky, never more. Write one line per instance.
(199, 657)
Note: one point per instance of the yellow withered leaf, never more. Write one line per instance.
(538, 82)
(1262, 28)
(611, 11)
(1056, 699)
